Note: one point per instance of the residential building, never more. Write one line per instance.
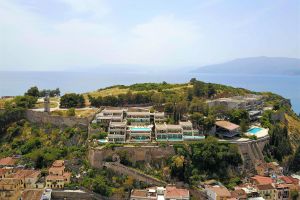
(28, 177)
(110, 114)
(189, 133)
(10, 188)
(172, 193)
(36, 194)
(283, 191)
(8, 162)
(168, 132)
(160, 193)
(138, 118)
(267, 191)
(139, 133)
(249, 102)
(268, 169)
(5, 172)
(159, 117)
(217, 193)
(226, 129)
(57, 177)
(117, 132)
(146, 194)
(261, 180)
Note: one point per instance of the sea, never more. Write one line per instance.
(16, 83)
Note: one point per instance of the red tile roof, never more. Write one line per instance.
(262, 180)
(26, 173)
(265, 187)
(55, 177)
(8, 161)
(58, 163)
(173, 192)
(289, 180)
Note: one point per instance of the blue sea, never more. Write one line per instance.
(16, 83)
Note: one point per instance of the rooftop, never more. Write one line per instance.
(265, 187)
(58, 163)
(227, 125)
(138, 113)
(139, 193)
(8, 161)
(55, 177)
(262, 180)
(26, 173)
(220, 191)
(173, 192)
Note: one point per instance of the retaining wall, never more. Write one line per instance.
(44, 117)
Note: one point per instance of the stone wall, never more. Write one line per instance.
(124, 170)
(148, 154)
(43, 117)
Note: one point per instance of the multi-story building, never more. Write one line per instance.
(117, 132)
(159, 117)
(160, 193)
(57, 177)
(110, 114)
(226, 129)
(10, 188)
(28, 177)
(168, 132)
(8, 162)
(249, 102)
(139, 133)
(138, 118)
(267, 191)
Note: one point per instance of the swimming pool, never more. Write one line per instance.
(254, 130)
(137, 129)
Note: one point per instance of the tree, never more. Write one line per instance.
(72, 100)
(71, 112)
(295, 166)
(236, 115)
(210, 90)
(244, 125)
(25, 101)
(33, 91)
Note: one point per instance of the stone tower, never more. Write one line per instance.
(47, 103)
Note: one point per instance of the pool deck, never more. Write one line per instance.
(260, 134)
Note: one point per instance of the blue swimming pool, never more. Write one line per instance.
(254, 130)
(137, 129)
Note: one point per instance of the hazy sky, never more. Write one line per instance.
(73, 34)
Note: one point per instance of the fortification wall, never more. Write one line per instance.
(43, 117)
(148, 154)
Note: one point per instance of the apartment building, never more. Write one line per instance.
(110, 114)
(117, 132)
(168, 132)
(139, 133)
(138, 118)
(57, 177)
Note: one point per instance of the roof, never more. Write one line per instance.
(32, 194)
(289, 180)
(173, 192)
(8, 161)
(9, 181)
(220, 191)
(26, 173)
(227, 125)
(58, 163)
(3, 171)
(139, 193)
(262, 180)
(62, 168)
(265, 187)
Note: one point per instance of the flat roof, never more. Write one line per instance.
(138, 113)
(227, 125)
(187, 123)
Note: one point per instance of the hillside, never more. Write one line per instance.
(255, 65)
(293, 125)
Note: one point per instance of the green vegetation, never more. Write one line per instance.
(72, 100)
(35, 92)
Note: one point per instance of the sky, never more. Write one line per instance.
(159, 34)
